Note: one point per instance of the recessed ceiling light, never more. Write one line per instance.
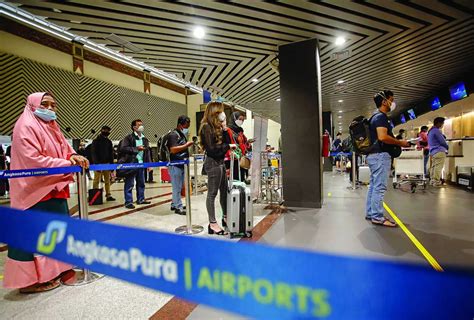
(339, 123)
(57, 10)
(75, 21)
(278, 99)
(340, 41)
(340, 101)
(340, 117)
(340, 81)
(340, 111)
(254, 80)
(199, 32)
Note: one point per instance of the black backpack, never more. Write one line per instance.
(360, 135)
(163, 150)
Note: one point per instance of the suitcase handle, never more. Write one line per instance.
(231, 176)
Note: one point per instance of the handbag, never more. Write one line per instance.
(245, 162)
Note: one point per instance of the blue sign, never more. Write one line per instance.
(435, 104)
(458, 91)
(411, 114)
(402, 118)
(254, 280)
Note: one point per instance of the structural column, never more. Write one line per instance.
(301, 121)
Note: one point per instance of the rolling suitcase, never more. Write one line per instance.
(165, 175)
(239, 206)
(95, 197)
(364, 174)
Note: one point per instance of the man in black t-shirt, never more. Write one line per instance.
(178, 145)
(379, 159)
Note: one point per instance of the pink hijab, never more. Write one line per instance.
(37, 144)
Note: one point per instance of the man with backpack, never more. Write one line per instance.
(178, 148)
(383, 147)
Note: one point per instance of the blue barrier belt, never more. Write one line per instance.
(11, 174)
(335, 154)
(251, 279)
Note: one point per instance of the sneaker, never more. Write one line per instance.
(181, 212)
(174, 209)
(110, 198)
(144, 202)
(129, 206)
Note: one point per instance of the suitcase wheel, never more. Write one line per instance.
(248, 234)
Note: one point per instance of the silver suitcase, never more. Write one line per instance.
(239, 206)
(364, 174)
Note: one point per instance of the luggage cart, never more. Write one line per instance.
(409, 169)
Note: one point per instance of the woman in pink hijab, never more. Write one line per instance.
(38, 143)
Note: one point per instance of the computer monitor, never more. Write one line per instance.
(411, 114)
(435, 104)
(402, 118)
(458, 91)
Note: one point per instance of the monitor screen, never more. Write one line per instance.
(435, 104)
(411, 114)
(458, 91)
(402, 118)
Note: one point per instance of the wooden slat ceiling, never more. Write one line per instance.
(411, 47)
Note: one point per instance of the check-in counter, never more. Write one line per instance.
(460, 155)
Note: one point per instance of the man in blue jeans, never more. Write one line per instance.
(135, 148)
(379, 159)
(178, 145)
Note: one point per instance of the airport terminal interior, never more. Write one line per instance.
(293, 81)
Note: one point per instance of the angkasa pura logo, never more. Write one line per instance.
(55, 232)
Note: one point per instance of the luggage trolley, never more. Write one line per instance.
(409, 169)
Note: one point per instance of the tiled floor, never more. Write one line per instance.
(109, 298)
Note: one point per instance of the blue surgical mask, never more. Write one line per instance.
(185, 131)
(45, 114)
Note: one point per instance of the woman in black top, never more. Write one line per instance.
(215, 146)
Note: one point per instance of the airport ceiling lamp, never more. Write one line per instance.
(40, 23)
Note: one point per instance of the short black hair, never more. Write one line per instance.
(338, 134)
(424, 128)
(182, 120)
(134, 122)
(401, 130)
(105, 128)
(438, 120)
(379, 97)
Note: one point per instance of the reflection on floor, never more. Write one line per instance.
(441, 219)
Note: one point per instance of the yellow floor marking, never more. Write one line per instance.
(1, 276)
(415, 241)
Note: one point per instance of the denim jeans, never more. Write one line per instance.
(177, 180)
(216, 181)
(426, 157)
(379, 164)
(129, 182)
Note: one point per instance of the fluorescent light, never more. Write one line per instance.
(57, 10)
(278, 99)
(340, 41)
(340, 101)
(75, 21)
(254, 80)
(340, 81)
(199, 32)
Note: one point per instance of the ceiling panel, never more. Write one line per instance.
(413, 47)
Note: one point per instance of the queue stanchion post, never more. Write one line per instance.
(354, 185)
(189, 228)
(195, 175)
(81, 276)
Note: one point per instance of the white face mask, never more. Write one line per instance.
(185, 131)
(141, 129)
(393, 106)
(239, 122)
(221, 117)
